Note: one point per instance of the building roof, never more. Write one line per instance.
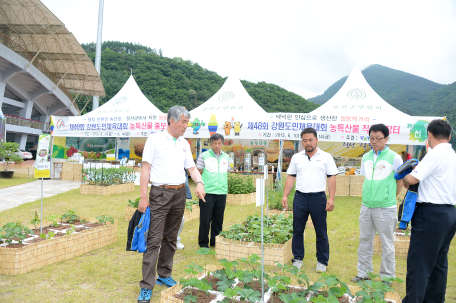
(30, 29)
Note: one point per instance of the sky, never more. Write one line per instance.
(303, 46)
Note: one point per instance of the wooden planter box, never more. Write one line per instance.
(233, 249)
(87, 189)
(15, 261)
(129, 211)
(241, 199)
(167, 295)
(401, 245)
(194, 214)
(342, 185)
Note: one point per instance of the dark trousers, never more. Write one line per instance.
(211, 218)
(433, 228)
(315, 205)
(166, 210)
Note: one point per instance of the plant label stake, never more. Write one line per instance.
(262, 237)
(266, 176)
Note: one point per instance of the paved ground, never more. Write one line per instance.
(16, 195)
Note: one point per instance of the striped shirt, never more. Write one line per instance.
(200, 161)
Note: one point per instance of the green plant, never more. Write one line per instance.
(48, 236)
(108, 176)
(105, 219)
(275, 195)
(53, 219)
(36, 220)
(189, 204)
(15, 231)
(70, 230)
(8, 152)
(240, 184)
(134, 203)
(205, 251)
(279, 230)
(70, 216)
(374, 291)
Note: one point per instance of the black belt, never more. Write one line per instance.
(431, 204)
(311, 194)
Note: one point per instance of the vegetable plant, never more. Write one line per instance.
(374, 291)
(70, 230)
(70, 216)
(48, 236)
(15, 231)
(53, 219)
(134, 203)
(104, 219)
(109, 176)
(190, 203)
(36, 220)
(240, 184)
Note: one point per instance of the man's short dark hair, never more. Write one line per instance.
(440, 129)
(379, 128)
(309, 130)
(216, 137)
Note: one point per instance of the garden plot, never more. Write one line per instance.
(23, 249)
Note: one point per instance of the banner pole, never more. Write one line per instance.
(41, 227)
(262, 237)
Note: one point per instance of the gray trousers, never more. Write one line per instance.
(383, 221)
(181, 228)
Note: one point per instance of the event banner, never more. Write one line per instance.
(114, 125)
(338, 128)
(43, 163)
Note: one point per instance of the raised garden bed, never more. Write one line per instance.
(232, 284)
(241, 189)
(87, 189)
(272, 212)
(59, 243)
(401, 244)
(243, 240)
(240, 199)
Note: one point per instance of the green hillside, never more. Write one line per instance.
(174, 81)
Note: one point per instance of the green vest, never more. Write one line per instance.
(215, 174)
(379, 187)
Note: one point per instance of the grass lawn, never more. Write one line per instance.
(111, 274)
(14, 181)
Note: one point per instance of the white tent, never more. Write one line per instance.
(226, 113)
(128, 114)
(347, 116)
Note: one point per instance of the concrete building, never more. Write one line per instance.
(44, 71)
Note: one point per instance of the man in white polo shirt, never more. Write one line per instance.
(310, 168)
(434, 219)
(165, 156)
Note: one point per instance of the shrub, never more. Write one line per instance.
(240, 184)
(108, 176)
(8, 153)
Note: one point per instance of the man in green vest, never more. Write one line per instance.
(379, 209)
(213, 165)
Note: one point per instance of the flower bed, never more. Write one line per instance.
(58, 242)
(232, 284)
(99, 190)
(241, 189)
(243, 240)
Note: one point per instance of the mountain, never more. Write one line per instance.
(400, 89)
(174, 81)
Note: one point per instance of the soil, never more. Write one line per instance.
(213, 280)
(15, 245)
(37, 232)
(77, 222)
(35, 240)
(93, 224)
(59, 235)
(60, 227)
(201, 296)
(80, 229)
(255, 285)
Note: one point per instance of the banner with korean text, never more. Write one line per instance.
(42, 162)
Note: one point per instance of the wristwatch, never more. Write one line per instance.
(200, 182)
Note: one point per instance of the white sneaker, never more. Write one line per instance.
(180, 246)
(297, 263)
(321, 267)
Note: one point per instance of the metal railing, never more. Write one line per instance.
(14, 120)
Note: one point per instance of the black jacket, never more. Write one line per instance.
(134, 221)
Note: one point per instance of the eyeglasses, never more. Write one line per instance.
(376, 139)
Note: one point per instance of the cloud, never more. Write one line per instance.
(303, 46)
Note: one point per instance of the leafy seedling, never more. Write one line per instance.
(248, 294)
(70, 230)
(15, 230)
(205, 251)
(36, 220)
(70, 216)
(134, 203)
(53, 219)
(104, 219)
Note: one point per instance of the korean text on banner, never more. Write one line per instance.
(42, 163)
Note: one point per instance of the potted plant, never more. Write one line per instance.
(8, 154)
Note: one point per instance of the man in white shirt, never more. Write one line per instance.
(309, 169)
(434, 219)
(379, 209)
(165, 156)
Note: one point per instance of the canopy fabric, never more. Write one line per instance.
(346, 117)
(226, 112)
(128, 114)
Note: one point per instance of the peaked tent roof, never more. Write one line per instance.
(232, 103)
(129, 99)
(356, 97)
